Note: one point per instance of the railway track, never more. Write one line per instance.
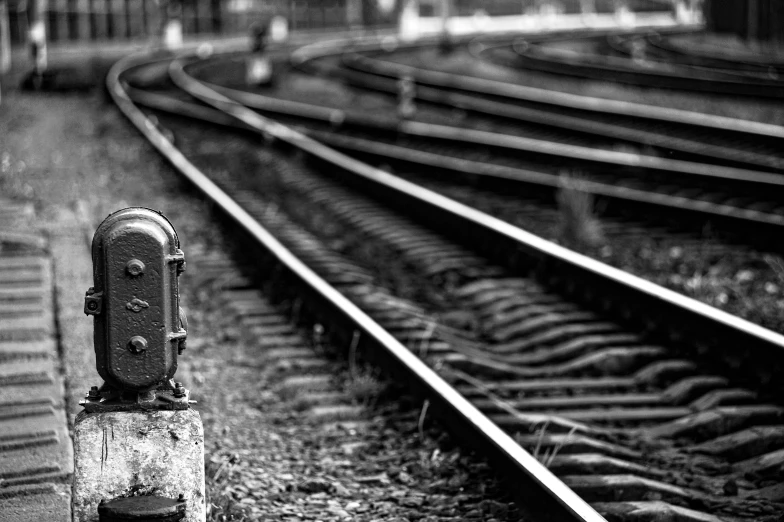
(659, 49)
(596, 64)
(711, 139)
(636, 397)
(626, 183)
(567, 129)
(531, 206)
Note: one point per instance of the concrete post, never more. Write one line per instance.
(279, 29)
(138, 446)
(143, 453)
(408, 28)
(172, 24)
(624, 16)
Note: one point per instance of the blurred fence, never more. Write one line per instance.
(760, 20)
(513, 7)
(78, 20)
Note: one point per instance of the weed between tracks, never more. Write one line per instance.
(547, 457)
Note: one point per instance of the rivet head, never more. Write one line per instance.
(135, 267)
(92, 305)
(137, 344)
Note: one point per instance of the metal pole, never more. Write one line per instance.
(354, 14)
(445, 14)
(446, 37)
(38, 36)
(5, 38)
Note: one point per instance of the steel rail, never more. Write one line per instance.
(548, 97)
(520, 250)
(449, 404)
(734, 147)
(495, 139)
(750, 60)
(624, 70)
(417, 202)
(550, 119)
(653, 52)
(764, 225)
(460, 226)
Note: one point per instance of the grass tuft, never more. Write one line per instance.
(364, 388)
(546, 458)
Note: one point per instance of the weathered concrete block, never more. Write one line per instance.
(123, 454)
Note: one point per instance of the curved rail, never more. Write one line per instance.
(765, 225)
(458, 412)
(749, 61)
(650, 47)
(511, 91)
(625, 291)
(653, 74)
(711, 139)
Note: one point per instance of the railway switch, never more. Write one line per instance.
(138, 323)
(138, 445)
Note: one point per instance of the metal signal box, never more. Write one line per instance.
(139, 327)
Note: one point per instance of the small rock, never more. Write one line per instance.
(381, 478)
(412, 502)
(342, 513)
(340, 489)
(493, 507)
(314, 485)
(351, 448)
(404, 478)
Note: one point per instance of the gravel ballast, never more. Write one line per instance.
(351, 451)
